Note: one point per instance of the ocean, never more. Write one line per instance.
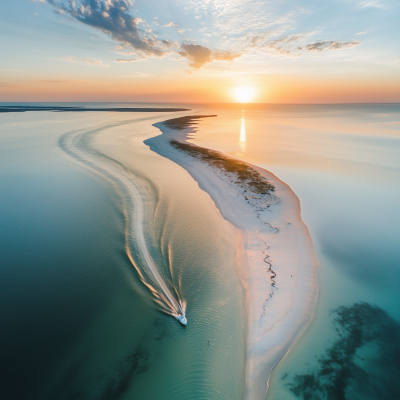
(343, 162)
(80, 323)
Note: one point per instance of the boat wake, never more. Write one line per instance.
(75, 144)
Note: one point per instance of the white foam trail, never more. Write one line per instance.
(72, 144)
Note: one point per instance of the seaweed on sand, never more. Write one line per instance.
(246, 177)
(184, 122)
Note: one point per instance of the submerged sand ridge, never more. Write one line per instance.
(275, 255)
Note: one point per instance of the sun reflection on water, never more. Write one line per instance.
(242, 140)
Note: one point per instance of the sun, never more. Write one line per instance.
(244, 94)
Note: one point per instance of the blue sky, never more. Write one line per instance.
(65, 39)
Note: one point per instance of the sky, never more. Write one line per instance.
(200, 51)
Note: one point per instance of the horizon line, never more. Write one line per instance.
(210, 103)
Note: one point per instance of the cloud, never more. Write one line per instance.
(287, 45)
(324, 45)
(234, 28)
(175, 26)
(113, 18)
(124, 60)
(171, 25)
(249, 26)
(83, 61)
(236, 17)
(373, 4)
(225, 56)
(199, 55)
(292, 45)
(361, 33)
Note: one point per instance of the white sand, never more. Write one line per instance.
(270, 240)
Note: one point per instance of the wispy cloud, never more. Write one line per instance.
(175, 26)
(127, 60)
(243, 29)
(371, 3)
(293, 45)
(361, 33)
(287, 45)
(83, 61)
(325, 45)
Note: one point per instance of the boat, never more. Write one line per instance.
(182, 319)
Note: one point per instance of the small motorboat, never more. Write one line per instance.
(182, 319)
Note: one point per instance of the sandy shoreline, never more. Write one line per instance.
(275, 256)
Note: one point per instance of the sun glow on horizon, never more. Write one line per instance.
(243, 94)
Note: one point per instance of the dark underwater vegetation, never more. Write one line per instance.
(362, 363)
(121, 376)
(111, 385)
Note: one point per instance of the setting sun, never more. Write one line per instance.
(243, 94)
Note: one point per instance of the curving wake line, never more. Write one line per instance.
(72, 143)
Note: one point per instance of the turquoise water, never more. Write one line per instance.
(343, 162)
(79, 322)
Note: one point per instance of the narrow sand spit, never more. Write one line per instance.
(275, 255)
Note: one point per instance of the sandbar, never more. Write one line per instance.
(276, 260)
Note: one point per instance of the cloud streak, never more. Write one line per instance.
(126, 60)
(83, 61)
(325, 45)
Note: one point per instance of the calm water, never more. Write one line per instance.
(344, 164)
(77, 323)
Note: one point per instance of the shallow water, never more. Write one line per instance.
(75, 309)
(343, 162)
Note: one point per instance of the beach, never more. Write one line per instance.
(275, 259)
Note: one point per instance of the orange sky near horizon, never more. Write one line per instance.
(269, 88)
